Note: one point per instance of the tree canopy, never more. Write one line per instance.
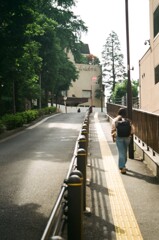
(35, 36)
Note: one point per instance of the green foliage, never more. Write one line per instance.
(29, 116)
(99, 93)
(49, 110)
(46, 111)
(2, 127)
(88, 59)
(113, 67)
(12, 121)
(33, 63)
(121, 90)
(66, 74)
(135, 85)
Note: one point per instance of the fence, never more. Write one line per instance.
(123, 101)
(146, 126)
(71, 202)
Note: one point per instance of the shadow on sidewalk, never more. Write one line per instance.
(98, 225)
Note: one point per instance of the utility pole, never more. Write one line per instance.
(129, 87)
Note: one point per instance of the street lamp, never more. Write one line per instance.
(129, 88)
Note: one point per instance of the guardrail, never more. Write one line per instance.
(71, 202)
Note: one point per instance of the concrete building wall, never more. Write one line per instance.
(86, 84)
(149, 90)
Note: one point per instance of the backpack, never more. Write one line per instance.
(123, 128)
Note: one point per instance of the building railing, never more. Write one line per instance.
(146, 126)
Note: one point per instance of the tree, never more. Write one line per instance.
(65, 37)
(69, 29)
(67, 73)
(99, 92)
(33, 36)
(113, 67)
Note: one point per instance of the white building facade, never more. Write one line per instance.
(87, 85)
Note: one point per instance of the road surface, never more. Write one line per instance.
(33, 165)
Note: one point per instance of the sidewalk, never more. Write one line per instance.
(121, 205)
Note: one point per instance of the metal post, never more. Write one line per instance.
(75, 208)
(129, 88)
(81, 166)
(86, 121)
(85, 125)
(85, 133)
(82, 142)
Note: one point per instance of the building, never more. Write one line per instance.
(149, 65)
(83, 91)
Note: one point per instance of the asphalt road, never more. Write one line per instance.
(33, 165)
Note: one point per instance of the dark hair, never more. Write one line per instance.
(122, 112)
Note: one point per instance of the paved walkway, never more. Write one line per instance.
(121, 205)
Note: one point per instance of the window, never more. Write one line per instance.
(156, 21)
(157, 74)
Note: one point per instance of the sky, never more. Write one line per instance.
(104, 16)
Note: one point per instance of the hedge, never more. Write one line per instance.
(12, 121)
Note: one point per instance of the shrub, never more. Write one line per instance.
(24, 115)
(2, 127)
(41, 112)
(46, 111)
(12, 121)
(31, 115)
(52, 109)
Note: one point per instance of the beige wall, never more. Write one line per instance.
(149, 91)
(85, 84)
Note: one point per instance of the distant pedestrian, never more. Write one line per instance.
(121, 131)
(79, 110)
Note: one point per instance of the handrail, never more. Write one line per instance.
(55, 220)
(60, 197)
(49, 225)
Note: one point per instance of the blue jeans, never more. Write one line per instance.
(122, 146)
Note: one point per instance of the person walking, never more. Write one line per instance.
(121, 131)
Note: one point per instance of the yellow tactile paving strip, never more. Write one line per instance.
(126, 226)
